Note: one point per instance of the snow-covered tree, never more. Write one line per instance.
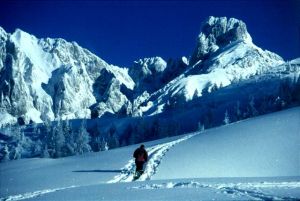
(22, 144)
(36, 148)
(59, 140)
(296, 90)
(82, 139)
(48, 130)
(55, 140)
(16, 152)
(69, 138)
(66, 127)
(253, 110)
(45, 152)
(238, 110)
(201, 126)
(285, 91)
(104, 145)
(5, 153)
(226, 118)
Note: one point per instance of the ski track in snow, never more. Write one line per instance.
(155, 155)
(33, 194)
(251, 190)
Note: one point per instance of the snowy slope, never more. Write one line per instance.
(254, 148)
(237, 61)
(265, 146)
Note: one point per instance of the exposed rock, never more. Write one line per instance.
(44, 79)
(218, 32)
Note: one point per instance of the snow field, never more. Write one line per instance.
(255, 159)
(264, 146)
(253, 191)
(32, 194)
(155, 155)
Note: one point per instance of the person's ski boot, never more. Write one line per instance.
(138, 174)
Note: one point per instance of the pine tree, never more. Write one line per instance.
(296, 90)
(51, 141)
(45, 152)
(36, 148)
(237, 109)
(200, 126)
(16, 152)
(226, 118)
(82, 139)
(21, 142)
(285, 91)
(59, 140)
(55, 139)
(253, 110)
(208, 119)
(5, 153)
(104, 145)
(47, 140)
(69, 138)
(113, 140)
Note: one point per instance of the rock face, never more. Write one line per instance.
(147, 73)
(45, 79)
(224, 54)
(217, 33)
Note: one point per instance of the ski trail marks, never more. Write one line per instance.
(155, 155)
(33, 194)
(253, 191)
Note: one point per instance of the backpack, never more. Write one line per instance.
(140, 156)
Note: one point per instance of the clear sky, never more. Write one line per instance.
(123, 31)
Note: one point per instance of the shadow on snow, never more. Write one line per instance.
(104, 171)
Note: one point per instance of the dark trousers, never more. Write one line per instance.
(139, 165)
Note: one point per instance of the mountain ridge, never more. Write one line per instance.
(50, 79)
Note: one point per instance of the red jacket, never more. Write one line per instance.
(140, 155)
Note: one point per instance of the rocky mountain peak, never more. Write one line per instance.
(3, 33)
(148, 66)
(217, 32)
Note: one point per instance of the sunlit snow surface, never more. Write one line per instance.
(255, 159)
(156, 154)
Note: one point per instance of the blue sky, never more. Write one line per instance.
(123, 31)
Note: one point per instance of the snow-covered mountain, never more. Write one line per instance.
(256, 159)
(224, 54)
(48, 79)
(44, 79)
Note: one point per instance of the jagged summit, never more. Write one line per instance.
(46, 79)
(217, 32)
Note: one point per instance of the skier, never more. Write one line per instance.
(141, 156)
